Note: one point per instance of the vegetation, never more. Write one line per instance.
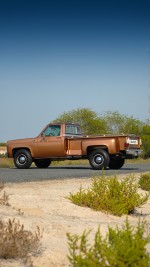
(16, 242)
(145, 135)
(5, 197)
(6, 163)
(2, 153)
(117, 123)
(110, 122)
(2, 144)
(144, 181)
(124, 247)
(88, 120)
(110, 195)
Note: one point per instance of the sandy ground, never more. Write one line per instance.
(44, 204)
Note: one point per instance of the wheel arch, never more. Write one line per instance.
(91, 148)
(19, 148)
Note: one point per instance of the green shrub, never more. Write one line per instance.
(124, 247)
(16, 242)
(110, 195)
(146, 145)
(144, 181)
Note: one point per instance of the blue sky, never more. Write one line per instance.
(60, 55)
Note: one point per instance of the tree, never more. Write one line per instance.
(117, 123)
(89, 121)
(145, 136)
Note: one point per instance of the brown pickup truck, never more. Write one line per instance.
(60, 141)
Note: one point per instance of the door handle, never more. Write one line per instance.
(43, 140)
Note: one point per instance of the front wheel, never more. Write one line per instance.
(116, 164)
(42, 163)
(99, 159)
(22, 159)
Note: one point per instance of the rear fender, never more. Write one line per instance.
(91, 148)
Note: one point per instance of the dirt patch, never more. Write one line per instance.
(44, 204)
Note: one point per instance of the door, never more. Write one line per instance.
(50, 143)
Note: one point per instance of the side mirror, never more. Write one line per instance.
(42, 137)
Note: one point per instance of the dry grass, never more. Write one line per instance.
(5, 197)
(16, 242)
(8, 162)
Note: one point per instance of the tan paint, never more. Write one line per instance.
(63, 145)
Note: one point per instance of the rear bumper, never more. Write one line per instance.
(133, 153)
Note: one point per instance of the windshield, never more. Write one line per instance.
(52, 130)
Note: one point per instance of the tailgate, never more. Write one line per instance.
(133, 142)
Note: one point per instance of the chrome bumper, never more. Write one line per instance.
(133, 153)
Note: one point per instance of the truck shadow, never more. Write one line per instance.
(87, 168)
(75, 168)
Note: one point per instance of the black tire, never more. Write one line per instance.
(22, 159)
(116, 164)
(99, 159)
(42, 163)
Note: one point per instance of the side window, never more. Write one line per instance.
(73, 130)
(69, 129)
(52, 130)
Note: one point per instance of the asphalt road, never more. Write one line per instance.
(13, 175)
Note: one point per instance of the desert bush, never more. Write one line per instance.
(125, 247)
(6, 163)
(146, 143)
(2, 144)
(144, 181)
(5, 197)
(16, 242)
(2, 155)
(110, 195)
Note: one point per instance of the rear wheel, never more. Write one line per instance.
(116, 164)
(99, 159)
(22, 159)
(42, 163)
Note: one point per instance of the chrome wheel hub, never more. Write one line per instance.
(98, 159)
(22, 159)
